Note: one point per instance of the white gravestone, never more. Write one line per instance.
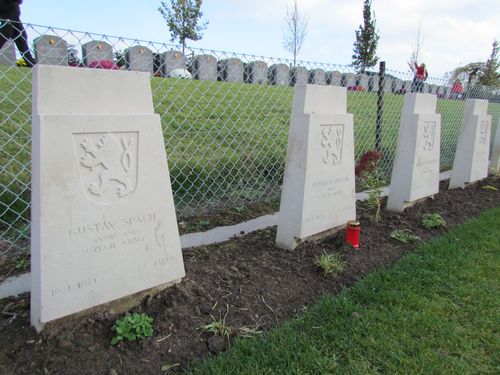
(299, 75)
(139, 58)
(317, 77)
(334, 78)
(8, 53)
(205, 67)
(473, 148)
(415, 173)
(51, 50)
(96, 51)
(103, 219)
(318, 189)
(256, 72)
(495, 157)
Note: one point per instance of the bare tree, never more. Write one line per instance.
(417, 48)
(295, 30)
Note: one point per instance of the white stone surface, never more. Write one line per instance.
(495, 157)
(415, 173)
(473, 148)
(318, 188)
(103, 219)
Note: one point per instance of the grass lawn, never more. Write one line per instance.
(433, 312)
(225, 141)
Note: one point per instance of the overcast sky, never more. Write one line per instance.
(454, 32)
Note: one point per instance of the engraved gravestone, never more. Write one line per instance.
(96, 51)
(279, 74)
(415, 173)
(299, 75)
(473, 148)
(334, 78)
(318, 193)
(8, 53)
(139, 58)
(51, 50)
(407, 87)
(362, 80)
(231, 70)
(103, 219)
(172, 60)
(349, 79)
(205, 67)
(317, 77)
(256, 72)
(495, 157)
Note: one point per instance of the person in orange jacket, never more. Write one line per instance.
(12, 28)
(421, 75)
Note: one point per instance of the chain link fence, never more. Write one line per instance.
(225, 116)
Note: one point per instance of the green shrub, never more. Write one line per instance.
(132, 327)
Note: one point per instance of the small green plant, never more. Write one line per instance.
(489, 187)
(217, 327)
(199, 226)
(373, 184)
(167, 367)
(404, 235)
(331, 264)
(132, 327)
(22, 264)
(434, 220)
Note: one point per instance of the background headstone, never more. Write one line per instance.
(96, 51)
(51, 50)
(318, 192)
(362, 80)
(205, 67)
(334, 78)
(299, 75)
(317, 77)
(349, 79)
(426, 88)
(139, 58)
(231, 70)
(415, 173)
(473, 148)
(103, 218)
(407, 87)
(397, 85)
(172, 60)
(374, 83)
(8, 53)
(495, 157)
(279, 74)
(388, 84)
(256, 72)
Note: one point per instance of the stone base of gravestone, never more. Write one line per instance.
(495, 156)
(8, 53)
(415, 173)
(318, 193)
(473, 148)
(107, 229)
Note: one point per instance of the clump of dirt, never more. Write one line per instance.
(245, 285)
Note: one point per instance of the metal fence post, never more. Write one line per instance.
(380, 105)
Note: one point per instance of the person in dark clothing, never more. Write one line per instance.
(12, 28)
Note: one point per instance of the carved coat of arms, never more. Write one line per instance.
(429, 135)
(332, 139)
(107, 164)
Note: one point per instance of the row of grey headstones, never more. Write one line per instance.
(53, 50)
